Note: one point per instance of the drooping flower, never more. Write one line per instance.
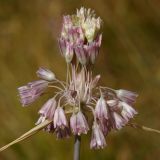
(105, 126)
(128, 112)
(60, 123)
(101, 109)
(126, 96)
(119, 122)
(78, 124)
(47, 113)
(33, 90)
(97, 139)
(48, 109)
(114, 105)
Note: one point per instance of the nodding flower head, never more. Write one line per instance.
(80, 93)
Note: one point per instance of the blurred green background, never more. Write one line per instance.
(129, 59)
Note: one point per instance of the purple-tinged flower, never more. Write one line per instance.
(67, 22)
(29, 93)
(78, 124)
(69, 52)
(60, 123)
(105, 126)
(48, 109)
(38, 87)
(66, 49)
(101, 110)
(126, 96)
(97, 139)
(93, 49)
(80, 35)
(47, 112)
(103, 114)
(45, 74)
(82, 54)
(67, 25)
(60, 118)
(72, 32)
(25, 95)
(76, 35)
(114, 105)
(93, 52)
(127, 111)
(119, 122)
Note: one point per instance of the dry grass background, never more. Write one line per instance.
(129, 58)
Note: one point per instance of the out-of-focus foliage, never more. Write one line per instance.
(129, 59)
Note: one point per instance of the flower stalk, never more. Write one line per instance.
(77, 145)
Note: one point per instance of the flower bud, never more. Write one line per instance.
(66, 49)
(45, 74)
(69, 52)
(82, 54)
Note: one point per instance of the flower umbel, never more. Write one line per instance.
(73, 99)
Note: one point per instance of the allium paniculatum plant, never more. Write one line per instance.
(80, 94)
(79, 104)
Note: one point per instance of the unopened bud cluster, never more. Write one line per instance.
(80, 37)
(80, 94)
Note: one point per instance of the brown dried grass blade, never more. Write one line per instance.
(27, 134)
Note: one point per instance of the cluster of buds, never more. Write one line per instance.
(80, 37)
(80, 94)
